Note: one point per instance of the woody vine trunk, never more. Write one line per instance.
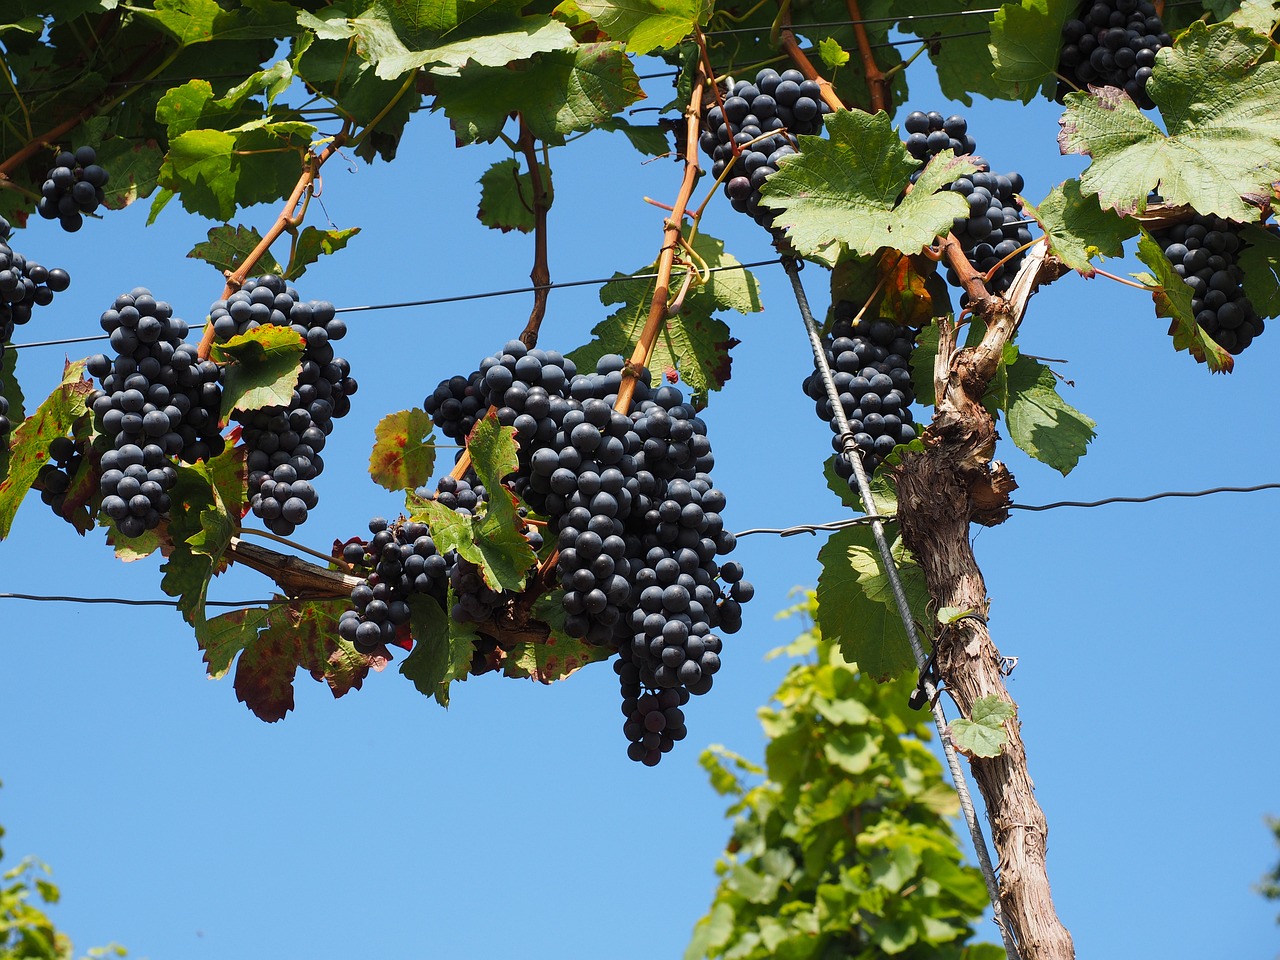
(953, 483)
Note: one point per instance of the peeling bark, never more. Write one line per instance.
(954, 483)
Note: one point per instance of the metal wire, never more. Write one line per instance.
(1154, 496)
(597, 281)
(800, 27)
(159, 603)
(851, 452)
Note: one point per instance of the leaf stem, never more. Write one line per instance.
(540, 275)
(22, 104)
(1126, 282)
(1000, 263)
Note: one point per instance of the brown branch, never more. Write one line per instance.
(953, 483)
(296, 577)
(670, 243)
(286, 219)
(877, 83)
(802, 61)
(541, 273)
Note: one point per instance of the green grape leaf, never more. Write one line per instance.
(262, 367)
(1078, 229)
(1025, 40)
(648, 139)
(1041, 423)
(11, 390)
(200, 528)
(559, 655)
(312, 244)
(692, 342)
(922, 362)
(215, 172)
(646, 25)
(29, 443)
(963, 57)
(493, 543)
(1173, 300)
(199, 21)
(557, 93)
(838, 485)
(1218, 104)
(228, 246)
(134, 167)
(493, 451)
(127, 549)
(443, 651)
(1260, 261)
(273, 643)
(404, 452)
(1260, 16)
(507, 195)
(983, 734)
(856, 607)
(847, 190)
(832, 54)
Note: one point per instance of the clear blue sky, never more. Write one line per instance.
(513, 825)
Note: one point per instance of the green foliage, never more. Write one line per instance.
(845, 192)
(507, 196)
(1077, 229)
(1041, 423)
(842, 844)
(260, 368)
(983, 734)
(1172, 298)
(1269, 886)
(1217, 96)
(1025, 40)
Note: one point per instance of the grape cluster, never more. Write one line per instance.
(56, 474)
(772, 111)
(1203, 252)
(870, 363)
(1112, 43)
(993, 229)
(455, 406)
(402, 560)
(284, 443)
(72, 188)
(158, 402)
(24, 285)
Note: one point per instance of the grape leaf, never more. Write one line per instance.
(1041, 423)
(215, 172)
(646, 25)
(311, 245)
(856, 607)
(199, 21)
(228, 246)
(134, 167)
(648, 139)
(273, 643)
(443, 651)
(11, 390)
(207, 505)
(983, 734)
(692, 342)
(506, 196)
(958, 46)
(557, 93)
(1260, 261)
(1259, 16)
(1078, 229)
(1173, 300)
(559, 655)
(1025, 40)
(261, 368)
(922, 363)
(847, 190)
(1218, 104)
(84, 489)
(404, 453)
(29, 443)
(832, 54)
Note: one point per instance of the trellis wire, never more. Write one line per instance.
(792, 266)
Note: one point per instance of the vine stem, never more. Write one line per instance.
(788, 39)
(297, 546)
(877, 85)
(671, 236)
(1127, 283)
(284, 221)
(541, 273)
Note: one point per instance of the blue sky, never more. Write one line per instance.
(513, 825)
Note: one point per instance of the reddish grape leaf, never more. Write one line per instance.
(262, 367)
(557, 658)
(404, 452)
(228, 246)
(29, 444)
(273, 643)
